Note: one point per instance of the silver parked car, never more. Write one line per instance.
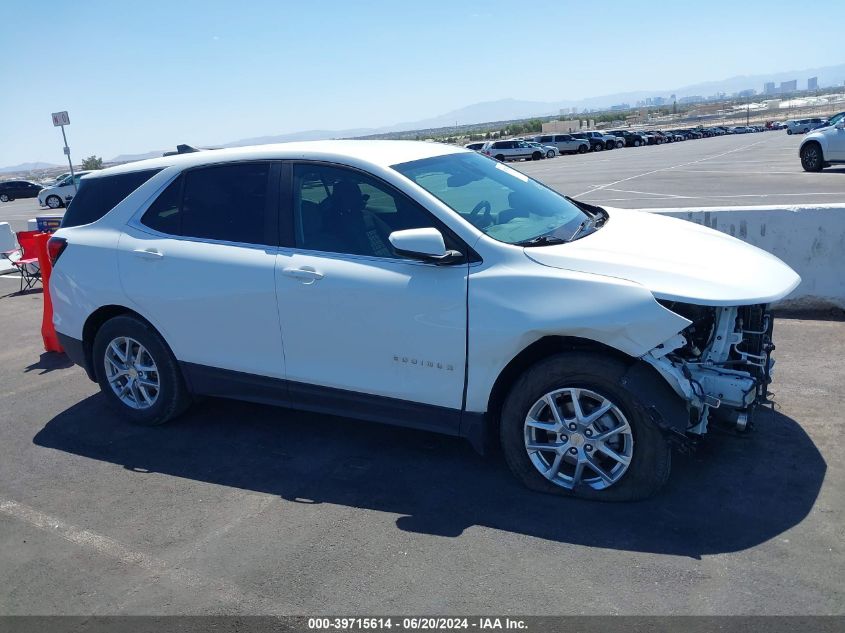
(565, 143)
(512, 150)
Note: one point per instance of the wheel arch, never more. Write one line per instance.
(532, 354)
(809, 141)
(93, 324)
(669, 411)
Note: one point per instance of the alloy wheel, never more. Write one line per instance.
(132, 373)
(576, 436)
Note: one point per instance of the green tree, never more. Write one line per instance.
(92, 162)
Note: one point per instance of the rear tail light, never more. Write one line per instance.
(55, 247)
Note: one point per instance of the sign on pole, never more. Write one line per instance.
(60, 118)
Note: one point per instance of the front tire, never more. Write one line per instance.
(788, 131)
(54, 202)
(550, 154)
(568, 427)
(4, 197)
(500, 158)
(536, 156)
(619, 144)
(137, 372)
(812, 158)
(583, 149)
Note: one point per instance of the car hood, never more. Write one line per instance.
(675, 259)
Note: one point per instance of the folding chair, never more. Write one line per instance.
(27, 263)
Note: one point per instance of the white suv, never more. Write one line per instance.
(565, 143)
(513, 149)
(60, 194)
(422, 285)
(802, 126)
(824, 147)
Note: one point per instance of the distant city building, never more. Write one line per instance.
(813, 83)
(750, 92)
(620, 106)
(788, 86)
(658, 101)
(561, 126)
(691, 99)
(769, 88)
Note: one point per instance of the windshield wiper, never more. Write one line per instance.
(541, 240)
(589, 223)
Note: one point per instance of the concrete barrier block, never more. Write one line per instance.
(810, 238)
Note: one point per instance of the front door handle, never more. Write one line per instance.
(306, 274)
(148, 253)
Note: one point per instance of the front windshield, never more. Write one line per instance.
(502, 202)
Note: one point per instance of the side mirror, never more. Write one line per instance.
(841, 125)
(423, 244)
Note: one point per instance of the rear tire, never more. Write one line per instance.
(595, 379)
(619, 144)
(788, 131)
(4, 197)
(583, 149)
(536, 156)
(550, 154)
(152, 364)
(54, 202)
(812, 158)
(636, 143)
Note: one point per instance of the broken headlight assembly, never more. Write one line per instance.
(720, 364)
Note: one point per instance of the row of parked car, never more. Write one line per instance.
(54, 195)
(551, 145)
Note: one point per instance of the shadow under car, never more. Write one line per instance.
(731, 494)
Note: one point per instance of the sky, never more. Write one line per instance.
(141, 76)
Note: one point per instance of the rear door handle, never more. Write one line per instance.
(148, 253)
(306, 274)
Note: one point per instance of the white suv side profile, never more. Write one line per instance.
(513, 149)
(422, 285)
(60, 194)
(565, 143)
(824, 147)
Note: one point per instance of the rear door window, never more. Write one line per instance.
(98, 196)
(229, 203)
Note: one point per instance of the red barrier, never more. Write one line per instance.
(48, 332)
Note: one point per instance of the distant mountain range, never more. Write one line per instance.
(510, 109)
(26, 167)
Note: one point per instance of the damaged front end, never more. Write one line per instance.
(720, 365)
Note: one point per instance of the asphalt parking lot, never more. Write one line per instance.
(241, 508)
(17, 212)
(735, 170)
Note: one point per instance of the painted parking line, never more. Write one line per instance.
(743, 173)
(645, 193)
(655, 171)
(721, 197)
(115, 550)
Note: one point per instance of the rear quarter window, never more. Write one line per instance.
(97, 196)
